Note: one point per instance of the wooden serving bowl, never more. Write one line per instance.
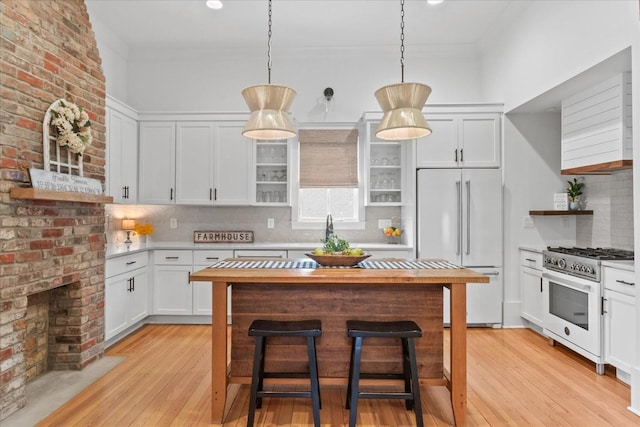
(338, 260)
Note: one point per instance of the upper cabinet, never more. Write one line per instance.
(122, 152)
(469, 140)
(272, 172)
(596, 128)
(195, 163)
(384, 161)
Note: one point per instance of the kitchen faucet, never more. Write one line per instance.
(329, 228)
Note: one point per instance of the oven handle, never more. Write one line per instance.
(565, 282)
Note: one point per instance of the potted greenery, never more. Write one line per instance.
(574, 190)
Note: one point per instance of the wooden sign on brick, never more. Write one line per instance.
(223, 237)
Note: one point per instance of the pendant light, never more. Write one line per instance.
(402, 104)
(269, 105)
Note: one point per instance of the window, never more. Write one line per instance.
(328, 179)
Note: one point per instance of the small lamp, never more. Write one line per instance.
(128, 225)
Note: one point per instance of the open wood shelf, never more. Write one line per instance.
(61, 196)
(554, 212)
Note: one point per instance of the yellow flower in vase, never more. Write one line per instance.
(143, 230)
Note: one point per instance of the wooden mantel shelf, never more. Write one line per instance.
(61, 196)
(554, 212)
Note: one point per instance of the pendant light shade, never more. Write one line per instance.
(269, 105)
(402, 104)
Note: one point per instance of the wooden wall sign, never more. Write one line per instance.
(223, 237)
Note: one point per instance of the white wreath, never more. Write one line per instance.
(73, 126)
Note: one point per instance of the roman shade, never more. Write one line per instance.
(328, 158)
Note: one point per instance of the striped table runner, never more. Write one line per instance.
(303, 263)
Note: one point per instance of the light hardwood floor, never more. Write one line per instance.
(515, 379)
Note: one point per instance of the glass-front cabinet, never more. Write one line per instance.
(272, 172)
(383, 160)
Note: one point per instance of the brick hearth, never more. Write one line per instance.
(48, 52)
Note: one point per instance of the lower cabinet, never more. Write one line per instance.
(531, 307)
(174, 294)
(126, 295)
(620, 330)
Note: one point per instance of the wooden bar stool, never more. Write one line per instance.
(405, 330)
(262, 329)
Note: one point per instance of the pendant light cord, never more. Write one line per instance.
(269, 47)
(402, 40)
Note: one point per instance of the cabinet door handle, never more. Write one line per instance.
(124, 192)
(171, 194)
(468, 184)
(131, 262)
(625, 282)
(456, 155)
(541, 285)
(211, 194)
(133, 284)
(459, 215)
(129, 283)
(602, 310)
(461, 155)
(171, 257)
(215, 194)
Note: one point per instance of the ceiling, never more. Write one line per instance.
(296, 23)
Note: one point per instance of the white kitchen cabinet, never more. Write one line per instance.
(470, 140)
(484, 300)
(620, 325)
(203, 291)
(157, 174)
(384, 177)
(531, 283)
(233, 165)
(122, 152)
(272, 172)
(195, 163)
(126, 299)
(172, 291)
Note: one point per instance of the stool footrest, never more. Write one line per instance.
(388, 395)
(284, 394)
(381, 376)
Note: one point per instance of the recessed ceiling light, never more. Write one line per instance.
(434, 2)
(214, 4)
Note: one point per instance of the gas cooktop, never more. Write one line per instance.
(594, 253)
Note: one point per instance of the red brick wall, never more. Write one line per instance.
(48, 51)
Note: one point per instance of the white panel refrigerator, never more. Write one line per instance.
(460, 220)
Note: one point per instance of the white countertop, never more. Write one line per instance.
(115, 250)
(532, 248)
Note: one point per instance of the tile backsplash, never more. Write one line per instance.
(611, 199)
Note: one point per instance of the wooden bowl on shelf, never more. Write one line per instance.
(338, 260)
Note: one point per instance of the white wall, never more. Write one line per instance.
(213, 80)
(550, 42)
(113, 53)
(531, 176)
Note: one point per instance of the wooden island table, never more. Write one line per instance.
(379, 289)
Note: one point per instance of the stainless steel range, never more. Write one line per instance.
(573, 298)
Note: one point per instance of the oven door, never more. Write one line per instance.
(572, 312)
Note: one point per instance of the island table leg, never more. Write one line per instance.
(218, 352)
(458, 349)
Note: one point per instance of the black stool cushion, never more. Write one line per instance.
(394, 329)
(285, 328)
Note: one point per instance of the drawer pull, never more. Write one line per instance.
(213, 257)
(131, 262)
(530, 260)
(171, 257)
(625, 282)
